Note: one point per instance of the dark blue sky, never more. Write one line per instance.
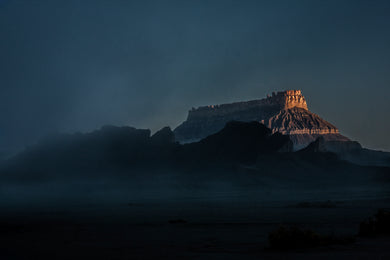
(76, 65)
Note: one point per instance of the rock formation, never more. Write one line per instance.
(285, 112)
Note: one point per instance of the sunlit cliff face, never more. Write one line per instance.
(292, 98)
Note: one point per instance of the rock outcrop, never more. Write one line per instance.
(285, 112)
(165, 135)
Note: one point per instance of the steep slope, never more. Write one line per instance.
(303, 127)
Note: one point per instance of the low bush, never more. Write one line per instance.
(286, 238)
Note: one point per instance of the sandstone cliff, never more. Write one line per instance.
(285, 112)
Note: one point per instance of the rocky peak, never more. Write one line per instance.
(285, 112)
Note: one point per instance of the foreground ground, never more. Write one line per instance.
(225, 227)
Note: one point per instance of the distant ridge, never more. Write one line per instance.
(285, 112)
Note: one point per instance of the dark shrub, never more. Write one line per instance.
(377, 225)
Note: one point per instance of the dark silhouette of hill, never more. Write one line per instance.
(110, 148)
(237, 142)
(350, 151)
(240, 148)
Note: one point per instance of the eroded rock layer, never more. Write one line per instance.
(285, 112)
